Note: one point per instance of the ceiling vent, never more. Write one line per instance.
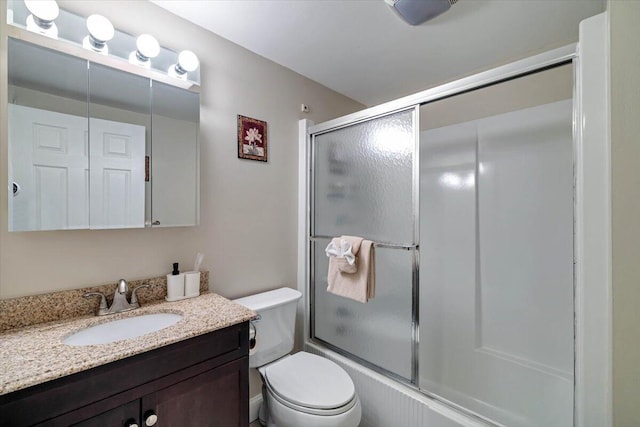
(415, 12)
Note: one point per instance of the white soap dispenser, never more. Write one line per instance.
(175, 284)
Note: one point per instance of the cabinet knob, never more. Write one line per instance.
(131, 423)
(150, 418)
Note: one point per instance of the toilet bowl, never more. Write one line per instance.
(303, 389)
(308, 390)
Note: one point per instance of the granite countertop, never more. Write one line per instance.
(36, 354)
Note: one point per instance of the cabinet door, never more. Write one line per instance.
(47, 131)
(214, 398)
(119, 132)
(123, 416)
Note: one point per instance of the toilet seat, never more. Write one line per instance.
(311, 384)
(312, 411)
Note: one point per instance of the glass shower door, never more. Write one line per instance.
(363, 185)
(496, 259)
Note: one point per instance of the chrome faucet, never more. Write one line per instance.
(120, 302)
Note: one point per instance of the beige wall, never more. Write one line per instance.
(248, 209)
(625, 163)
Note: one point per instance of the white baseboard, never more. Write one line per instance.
(254, 407)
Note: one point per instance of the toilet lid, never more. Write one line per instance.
(310, 381)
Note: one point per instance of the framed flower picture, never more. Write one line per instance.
(252, 139)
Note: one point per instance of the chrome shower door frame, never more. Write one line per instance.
(310, 238)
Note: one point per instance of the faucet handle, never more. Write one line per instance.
(103, 308)
(134, 295)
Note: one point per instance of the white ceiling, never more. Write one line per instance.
(361, 49)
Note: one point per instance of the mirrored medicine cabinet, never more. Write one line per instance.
(93, 147)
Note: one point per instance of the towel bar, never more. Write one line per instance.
(376, 244)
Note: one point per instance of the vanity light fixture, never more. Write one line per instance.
(100, 32)
(147, 47)
(43, 13)
(187, 62)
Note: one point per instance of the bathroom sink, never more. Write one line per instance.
(122, 329)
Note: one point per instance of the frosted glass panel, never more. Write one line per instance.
(447, 256)
(363, 180)
(526, 205)
(378, 331)
(496, 265)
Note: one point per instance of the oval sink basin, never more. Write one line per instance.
(122, 329)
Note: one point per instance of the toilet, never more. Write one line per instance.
(301, 389)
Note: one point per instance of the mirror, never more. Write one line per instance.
(119, 128)
(48, 136)
(175, 188)
(81, 135)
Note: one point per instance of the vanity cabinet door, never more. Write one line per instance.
(214, 398)
(123, 416)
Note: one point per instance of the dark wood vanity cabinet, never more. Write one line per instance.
(202, 381)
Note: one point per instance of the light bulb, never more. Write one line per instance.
(187, 62)
(43, 13)
(148, 47)
(45, 10)
(100, 32)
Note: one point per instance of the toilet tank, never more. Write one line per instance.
(276, 325)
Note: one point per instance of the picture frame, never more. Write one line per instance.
(252, 139)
